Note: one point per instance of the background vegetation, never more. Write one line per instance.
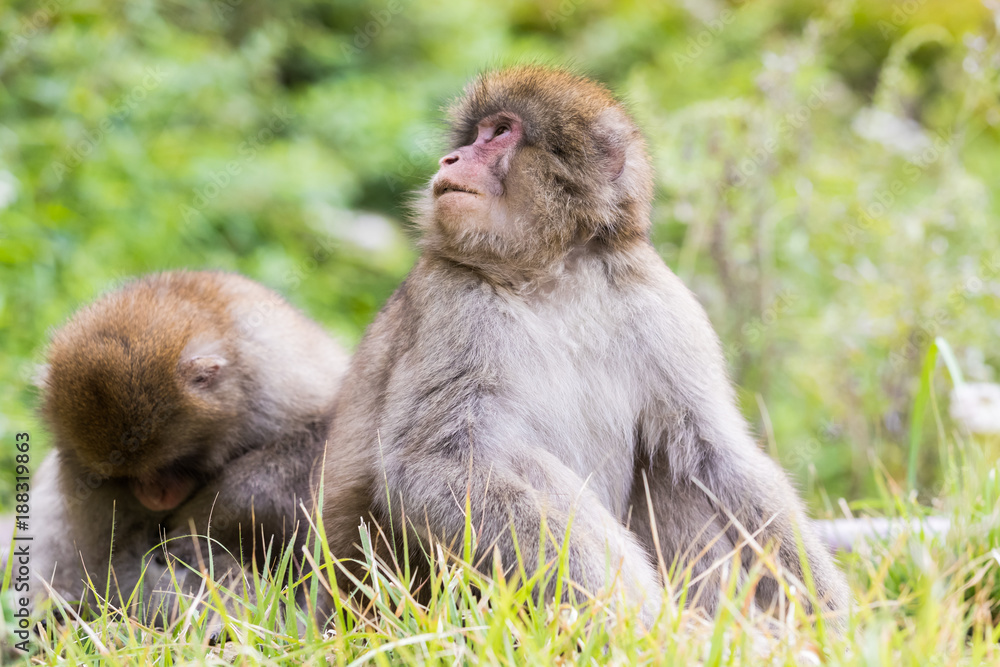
(825, 182)
(825, 175)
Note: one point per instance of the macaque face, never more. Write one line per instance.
(171, 465)
(162, 470)
(469, 187)
(159, 434)
(157, 483)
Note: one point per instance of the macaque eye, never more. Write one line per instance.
(501, 129)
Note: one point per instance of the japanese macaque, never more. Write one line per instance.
(541, 362)
(183, 404)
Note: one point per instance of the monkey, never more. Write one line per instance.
(182, 404)
(543, 364)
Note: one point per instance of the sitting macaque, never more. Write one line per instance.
(183, 404)
(541, 365)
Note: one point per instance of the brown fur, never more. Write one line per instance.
(115, 390)
(543, 361)
(199, 381)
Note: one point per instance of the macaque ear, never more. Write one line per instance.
(612, 131)
(202, 371)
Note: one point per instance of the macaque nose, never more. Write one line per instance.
(449, 159)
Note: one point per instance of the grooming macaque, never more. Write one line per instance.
(542, 363)
(184, 404)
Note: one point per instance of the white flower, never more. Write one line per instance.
(366, 231)
(976, 405)
(8, 189)
(369, 231)
(903, 135)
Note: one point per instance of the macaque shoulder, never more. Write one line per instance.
(666, 303)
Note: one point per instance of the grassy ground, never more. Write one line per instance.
(919, 599)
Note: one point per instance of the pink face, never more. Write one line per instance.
(469, 184)
(160, 493)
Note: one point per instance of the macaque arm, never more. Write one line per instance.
(255, 498)
(696, 437)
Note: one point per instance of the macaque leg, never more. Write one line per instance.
(686, 531)
(55, 560)
(166, 586)
(511, 500)
(752, 490)
(768, 493)
(73, 528)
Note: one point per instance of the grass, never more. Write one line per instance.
(919, 599)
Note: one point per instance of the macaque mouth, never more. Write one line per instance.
(164, 490)
(444, 187)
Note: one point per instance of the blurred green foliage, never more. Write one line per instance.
(825, 176)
